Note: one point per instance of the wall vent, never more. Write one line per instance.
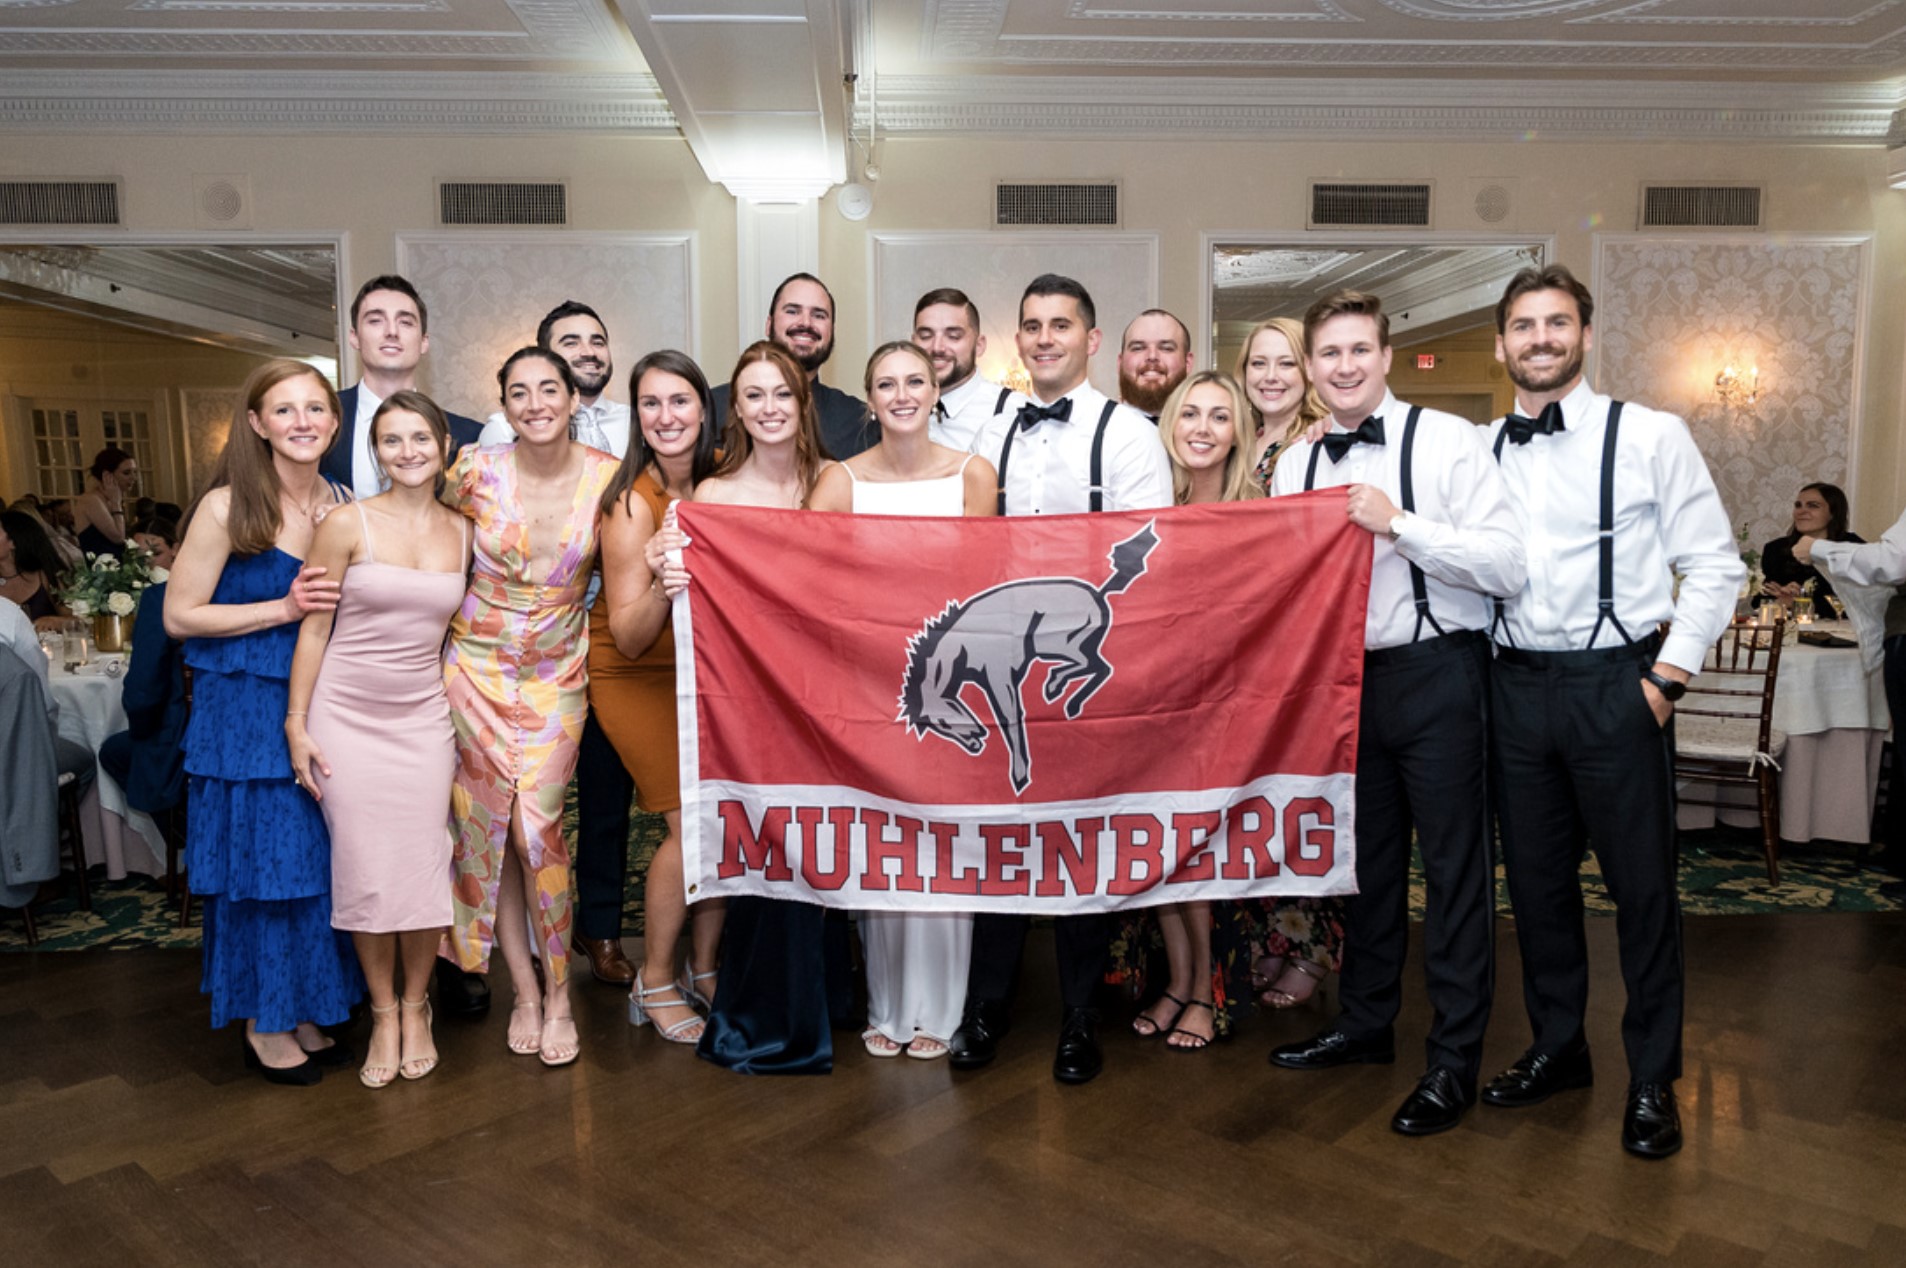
(1093, 203)
(1373, 205)
(59, 202)
(502, 203)
(1701, 206)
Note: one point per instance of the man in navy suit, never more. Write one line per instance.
(390, 333)
(801, 319)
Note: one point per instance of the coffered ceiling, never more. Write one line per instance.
(1785, 70)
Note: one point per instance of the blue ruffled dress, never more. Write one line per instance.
(257, 851)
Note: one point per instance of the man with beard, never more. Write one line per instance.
(1153, 359)
(390, 331)
(574, 332)
(801, 319)
(604, 789)
(946, 328)
(1444, 540)
(1583, 694)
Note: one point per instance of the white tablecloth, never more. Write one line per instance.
(1834, 715)
(124, 840)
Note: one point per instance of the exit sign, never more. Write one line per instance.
(1426, 360)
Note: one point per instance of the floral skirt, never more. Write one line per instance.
(1241, 933)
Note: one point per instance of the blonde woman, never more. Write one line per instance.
(1205, 428)
(1282, 405)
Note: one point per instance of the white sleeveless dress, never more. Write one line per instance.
(916, 961)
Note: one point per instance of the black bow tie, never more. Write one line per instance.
(1030, 415)
(1369, 432)
(1547, 423)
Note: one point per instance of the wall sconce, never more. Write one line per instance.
(1737, 389)
(1017, 379)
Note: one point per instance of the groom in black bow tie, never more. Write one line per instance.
(1618, 503)
(1068, 449)
(1445, 540)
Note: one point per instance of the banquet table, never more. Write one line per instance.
(1834, 715)
(123, 839)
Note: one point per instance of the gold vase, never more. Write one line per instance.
(111, 633)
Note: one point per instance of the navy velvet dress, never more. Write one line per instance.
(256, 847)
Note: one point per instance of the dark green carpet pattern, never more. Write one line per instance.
(1722, 874)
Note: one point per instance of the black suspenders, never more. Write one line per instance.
(1605, 597)
(1098, 453)
(1419, 585)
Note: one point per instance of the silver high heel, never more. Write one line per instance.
(640, 1007)
(692, 993)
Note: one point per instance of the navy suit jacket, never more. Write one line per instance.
(154, 697)
(337, 461)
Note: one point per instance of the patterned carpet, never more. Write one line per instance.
(1721, 874)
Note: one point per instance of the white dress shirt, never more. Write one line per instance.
(1462, 534)
(1668, 519)
(366, 480)
(1050, 472)
(1866, 576)
(19, 638)
(965, 409)
(606, 421)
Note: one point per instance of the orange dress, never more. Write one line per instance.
(634, 699)
(516, 675)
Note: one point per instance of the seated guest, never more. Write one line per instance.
(1819, 511)
(28, 565)
(158, 536)
(147, 759)
(55, 515)
(17, 637)
(28, 821)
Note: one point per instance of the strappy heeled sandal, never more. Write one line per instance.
(1198, 1042)
(643, 1001)
(693, 993)
(1310, 974)
(1145, 1028)
(527, 1045)
(376, 1076)
(418, 1067)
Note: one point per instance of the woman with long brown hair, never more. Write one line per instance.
(770, 1010)
(632, 672)
(256, 849)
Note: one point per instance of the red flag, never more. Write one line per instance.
(1043, 713)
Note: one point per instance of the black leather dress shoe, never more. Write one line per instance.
(1079, 1059)
(1436, 1106)
(1652, 1126)
(1334, 1048)
(976, 1042)
(461, 994)
(1537, 1076)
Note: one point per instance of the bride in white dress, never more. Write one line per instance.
(916, 961)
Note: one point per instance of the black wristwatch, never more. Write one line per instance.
(1670, 690)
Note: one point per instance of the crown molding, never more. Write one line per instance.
(1116, 107)
(457, 102)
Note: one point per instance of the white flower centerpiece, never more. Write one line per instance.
(106, 588)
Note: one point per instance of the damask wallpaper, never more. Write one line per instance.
(488, 291)
(208, 413)
(1672, 311)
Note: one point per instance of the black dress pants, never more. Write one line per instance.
(999, 941)
(603, 793)
(1578, 759)
(1422, 762)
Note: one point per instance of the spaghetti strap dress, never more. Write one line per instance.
(634, 698)
(257, 852)
(380, 715)
(516, 675)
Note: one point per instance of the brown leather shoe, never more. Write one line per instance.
(606, 960)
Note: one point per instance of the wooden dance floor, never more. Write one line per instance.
(130, 1135)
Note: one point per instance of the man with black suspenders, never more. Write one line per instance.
(1617, 500)
(1067, 449)
(1445, 540)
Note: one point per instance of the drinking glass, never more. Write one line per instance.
(79, 645)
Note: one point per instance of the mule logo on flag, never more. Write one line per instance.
(993, 639)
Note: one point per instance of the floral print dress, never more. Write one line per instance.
(517, 678)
